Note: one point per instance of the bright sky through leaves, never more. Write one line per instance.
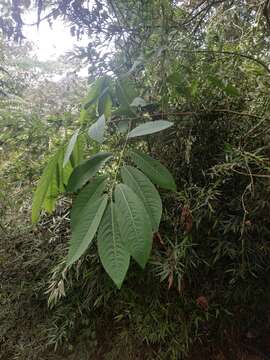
(49, 43)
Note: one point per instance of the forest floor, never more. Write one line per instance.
(25, 319)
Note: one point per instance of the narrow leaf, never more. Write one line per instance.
(134, 223)
(96, 131)
(46, 191)
(146, 191)
(83, 235)
(70, 147)
(52, 192)
(88, 195)
(156, 172)
(63, 173)
(78, 151)
(86, 171)
(149, 127)
(112, 247)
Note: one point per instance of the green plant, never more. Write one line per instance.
(124, 215)
(203, 67)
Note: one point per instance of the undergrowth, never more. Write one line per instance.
(206, 286)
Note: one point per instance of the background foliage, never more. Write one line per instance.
(205, 291)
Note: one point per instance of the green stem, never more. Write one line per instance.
(119, 162)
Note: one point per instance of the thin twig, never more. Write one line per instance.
(246, 174)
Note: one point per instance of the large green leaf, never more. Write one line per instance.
(112, 248)
(53, 191)
(70, 147)
(77, 155)
(134, 223)
(63, 173)
(86, 171)
(149, 127)
(96, 130)
(47, 188)
(88, 195)
(146, 191)
(83, 234)
(156, 172)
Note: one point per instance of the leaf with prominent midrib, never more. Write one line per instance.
(77, 155)
(146, 191)
(83, 234)
(134, 223)
(70, 147)
(112, 248)
(156, 172)
(88, 195)
(86, 170)
(149, 127)
(63, 173)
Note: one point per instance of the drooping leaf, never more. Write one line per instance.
(88, 195)
(96, 131)
(146, 191)
(149, 127)
(63, 173)
(60, 186)
(112, 248)
(156, 172)
(77, 155)
(70, 147)
(83, 234)
(134, 223)
(53, 191)
(86, 170)
(47, 188)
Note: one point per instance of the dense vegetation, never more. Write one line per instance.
(148, 184)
